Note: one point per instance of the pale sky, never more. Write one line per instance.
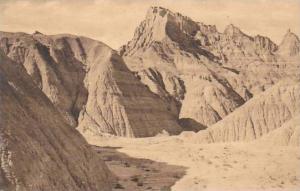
(114, 21)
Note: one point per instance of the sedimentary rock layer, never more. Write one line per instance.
(90, 85)
(218, 71)
(38, 149)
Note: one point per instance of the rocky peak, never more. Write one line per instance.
(290, 45)
(164, 12)
(232, 30)
(290, 37)
(174, 20)
(236, 45)
(161, 25)
(154, 11)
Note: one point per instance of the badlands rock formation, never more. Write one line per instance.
(207, 72)
(259, 116)
(163, 43)
(90, 85)
(38, 149)
(287, 135)
(178, 75)
(183, 72)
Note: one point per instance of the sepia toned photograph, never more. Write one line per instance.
(149, 95)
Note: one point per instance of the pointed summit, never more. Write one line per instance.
(232, 30)
(290, 36)
(157, 11)
(160, 25)
(290, 45)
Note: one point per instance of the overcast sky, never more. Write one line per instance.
(114, 21)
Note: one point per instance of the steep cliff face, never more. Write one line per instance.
(219, 71)
(54, 67)
(166, 85)
(119, 104)
(165, 40)
(208, 99)
(257, 117)
(37, 144)
(90, 85)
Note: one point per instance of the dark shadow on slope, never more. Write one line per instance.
(136, 174)
(232, 70)
(189, 124)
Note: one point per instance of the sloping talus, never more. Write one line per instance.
(259, 116)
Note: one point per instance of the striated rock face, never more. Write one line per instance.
(167, 86)
(257, 117)
(90, 85)
(165, 41)
(119, 104)
(287, 135)
(37, 144)
(208, 100)
(218, 71)
(164, 31)
(192, 52)
(54, 66)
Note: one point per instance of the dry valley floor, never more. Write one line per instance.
(222, 166)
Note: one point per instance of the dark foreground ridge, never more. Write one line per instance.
(139, 174)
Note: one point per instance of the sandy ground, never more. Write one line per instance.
(136, 174)
(226, 167)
